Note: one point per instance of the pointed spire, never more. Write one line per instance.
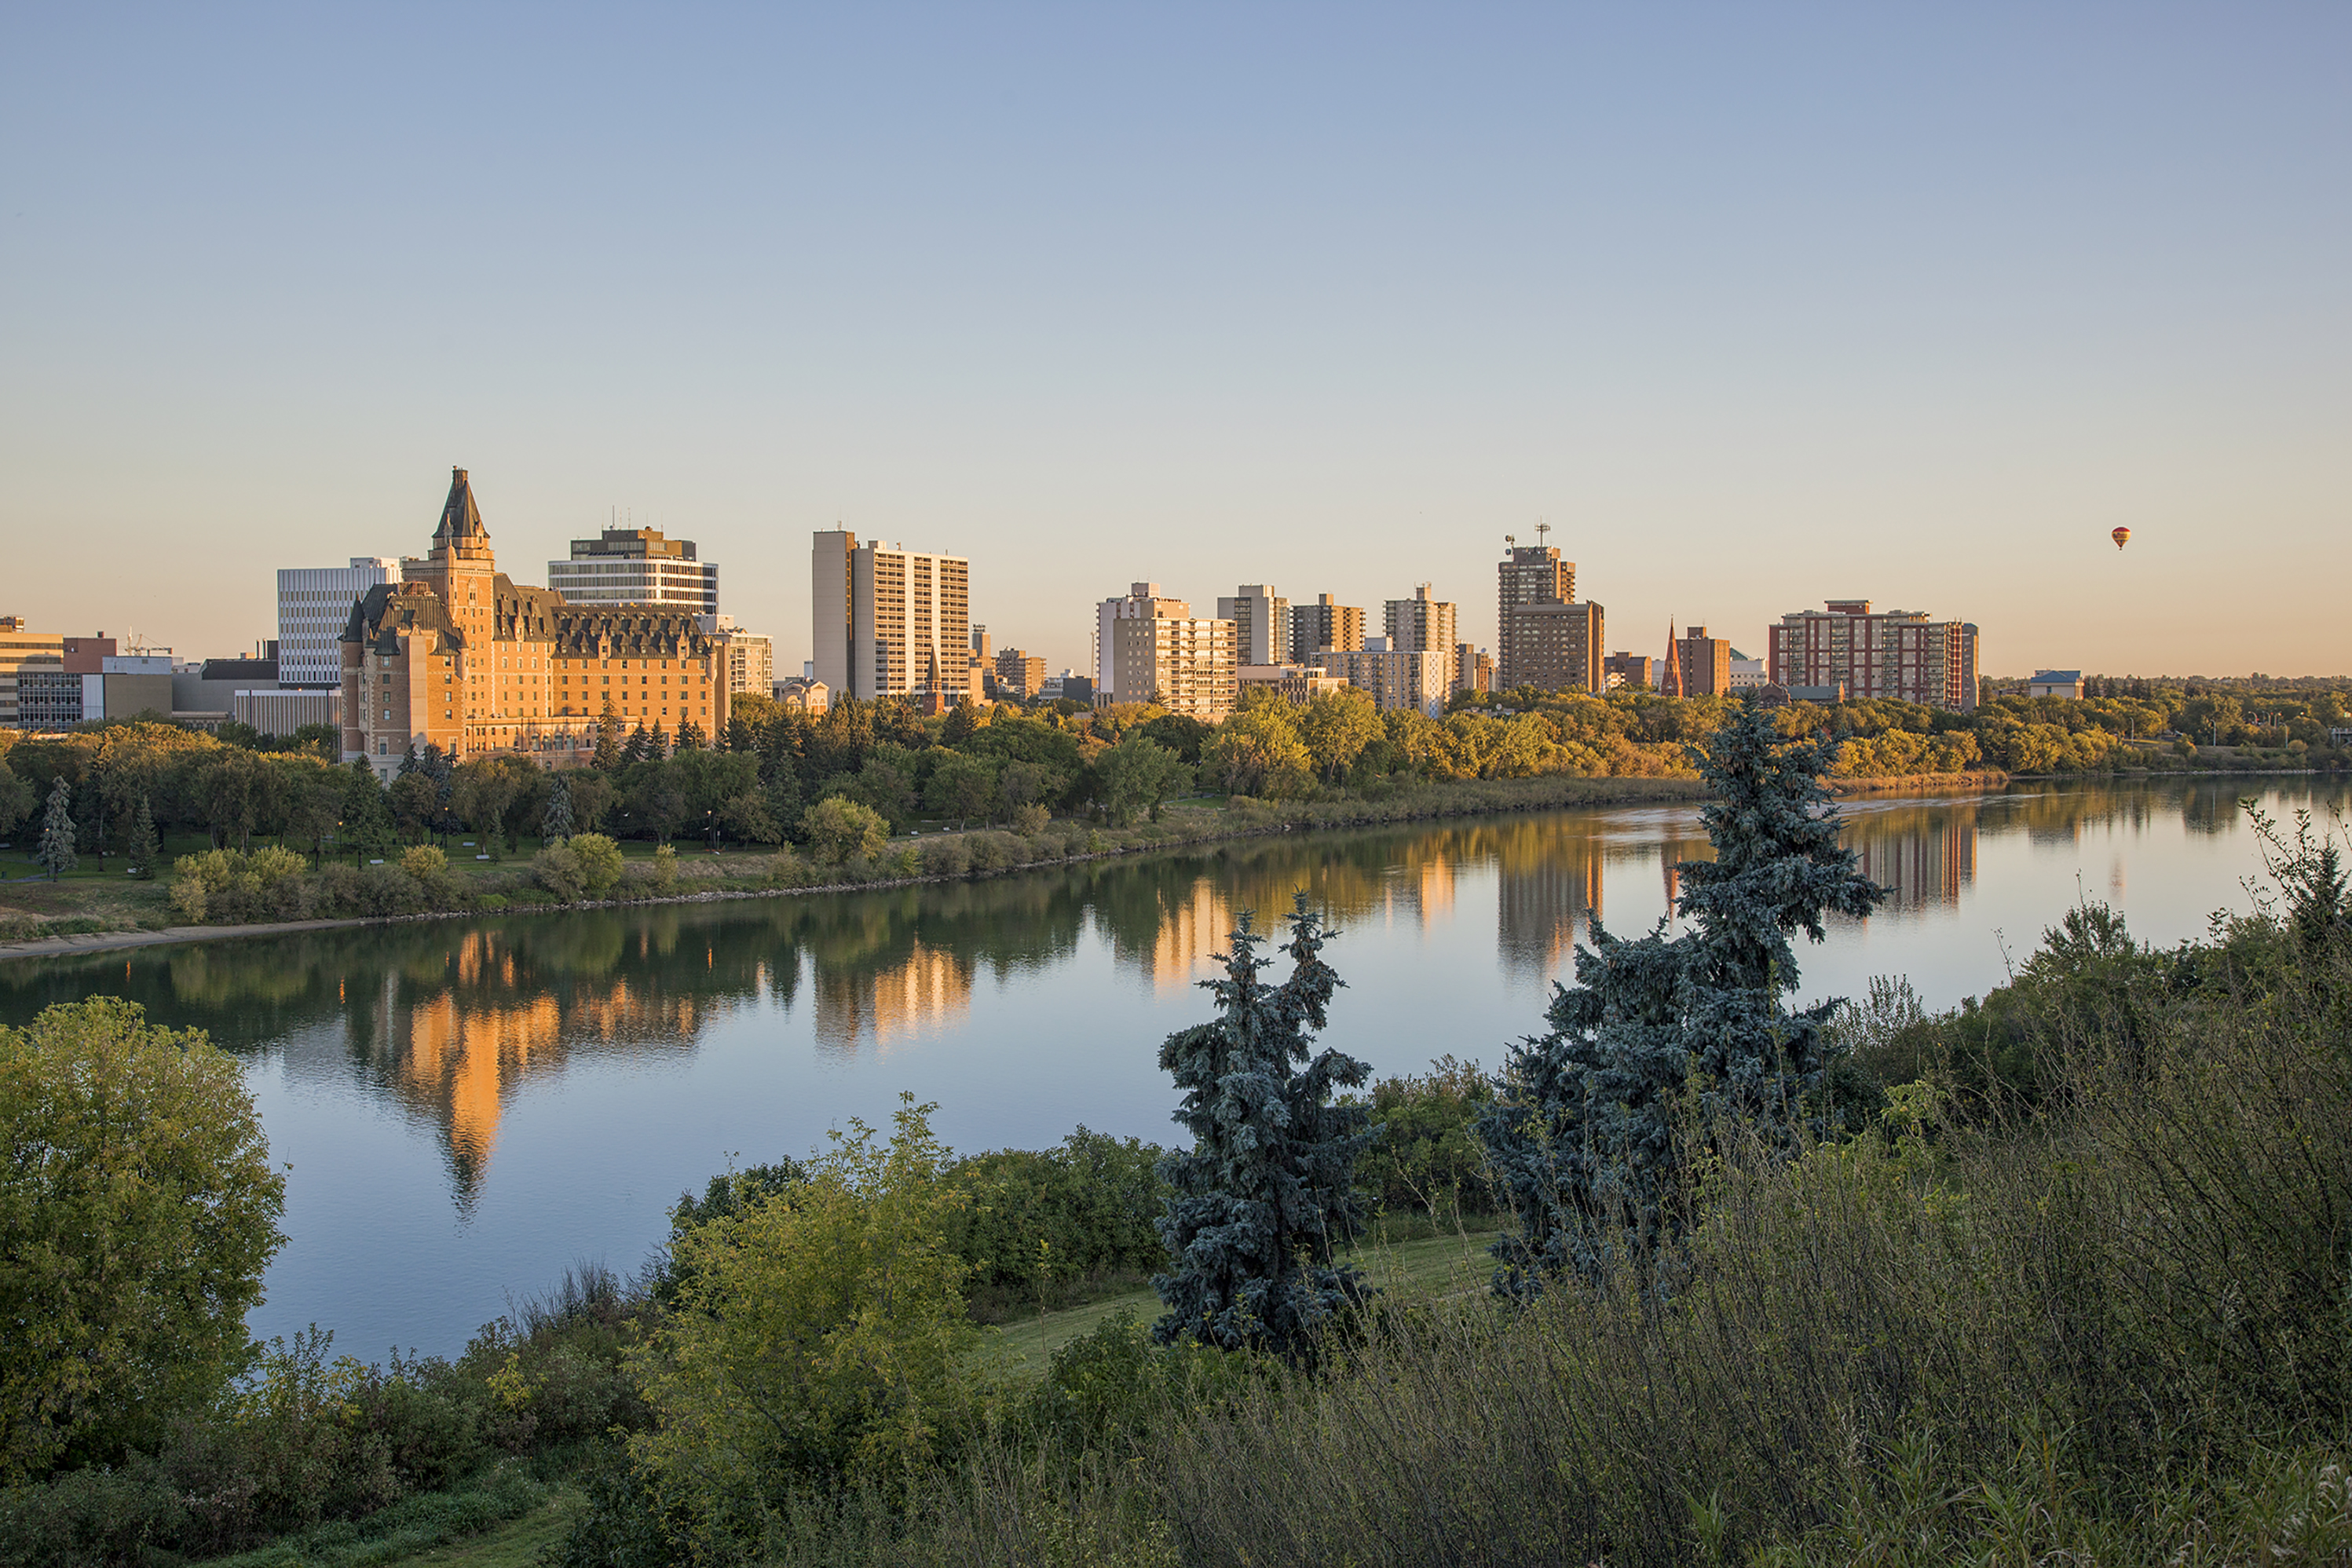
(460, 518)
(1670, 683)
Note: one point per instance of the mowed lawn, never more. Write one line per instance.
(1433, 1266)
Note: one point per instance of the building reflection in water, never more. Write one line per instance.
(889, 1002)
(1925, 856)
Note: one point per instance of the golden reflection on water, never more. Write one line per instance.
(452, 1022)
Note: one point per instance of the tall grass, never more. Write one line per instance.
(2112, 1325)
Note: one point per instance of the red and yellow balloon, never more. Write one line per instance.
(2122, 538)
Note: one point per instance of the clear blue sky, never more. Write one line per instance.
(1756, 305)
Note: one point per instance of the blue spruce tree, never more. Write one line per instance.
(1266, 1193)
(555, 823)
(1661, 1037)
(56, 853)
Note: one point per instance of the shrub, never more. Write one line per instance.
(425, 863)
(135, 1220)
(949, 854)
(600, 862)
(1030, 820)
(558, 869)
(839, 830)
(384, 890)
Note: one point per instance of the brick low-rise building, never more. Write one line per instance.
(458, 657)
(1898, 653)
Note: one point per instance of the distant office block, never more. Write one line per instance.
(1703, 663)
(1746, 674)
(1019, 677)
(1898, 653)
(1637, 672)
(314, 605)
(1292, 683)
(636, 566)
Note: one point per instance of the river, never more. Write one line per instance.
(466, 1107)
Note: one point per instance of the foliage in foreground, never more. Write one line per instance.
(1582, 1136)
(1265, 1196)
(138, 1210)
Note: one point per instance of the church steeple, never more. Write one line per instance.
(1670, 683)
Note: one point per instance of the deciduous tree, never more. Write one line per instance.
(137, 1212)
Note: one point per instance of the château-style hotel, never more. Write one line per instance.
(458, 657)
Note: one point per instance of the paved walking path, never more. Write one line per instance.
(105, 941)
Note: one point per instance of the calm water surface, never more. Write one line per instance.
(466, 1107)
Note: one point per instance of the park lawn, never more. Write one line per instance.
(1433, 1266)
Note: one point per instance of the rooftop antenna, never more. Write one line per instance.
(1543, 532)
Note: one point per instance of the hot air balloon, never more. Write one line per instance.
(2122, 538)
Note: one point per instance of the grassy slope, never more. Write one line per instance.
(1432, 1266)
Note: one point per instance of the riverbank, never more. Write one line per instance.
(141, 912)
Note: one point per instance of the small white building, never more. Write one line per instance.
(1746, 674)
(2055, 683)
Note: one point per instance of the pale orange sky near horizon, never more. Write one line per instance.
(1755, 311)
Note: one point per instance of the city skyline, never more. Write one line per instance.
(1756, 312)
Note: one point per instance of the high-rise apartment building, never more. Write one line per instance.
(1182, 662)
(314, 604)
(1324, 624)
(749, 657)
(1419, 624)
(636, 566)
(1703, 663)
(1527, 574)
(1142, 601)
(1555, 646)
(1261, 619)
(1472, 669)
(1394, 678)
(1019, 677)
(1898, 653)
(887, 621)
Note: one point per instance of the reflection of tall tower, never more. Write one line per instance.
(1192, 927)
(1548, 882)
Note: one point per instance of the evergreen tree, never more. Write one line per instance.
(90, 818)
(690, 736)
(1268, 1190)
(367, 827)
(656, 743)
(634, 751)
(408, 764)
(145, 848)
(608, 739)
(555, 823)
(56, 854)
(1661, 1039)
